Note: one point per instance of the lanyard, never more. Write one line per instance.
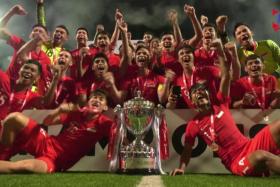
(58, 92)
(27, 95)
(261, 102)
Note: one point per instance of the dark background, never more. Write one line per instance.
(141, 15)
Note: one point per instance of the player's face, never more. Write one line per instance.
(100, 66)
(36, 31)
(64, 60)
(186, 58)
(97, 103)
(103, 41)
(142, 57)
(28, 74)
(243, 35)
(155, 44)
(147, 38)
(167, 41)
(209, 34)
(200, 98)
(60, 35)
(254, 67)
(82, 36)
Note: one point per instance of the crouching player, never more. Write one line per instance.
(82, 129)
(215, 125)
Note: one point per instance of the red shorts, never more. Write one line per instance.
(32, 139)
(262, 141)
(38, 143)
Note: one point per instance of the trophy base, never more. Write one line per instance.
(141, 171)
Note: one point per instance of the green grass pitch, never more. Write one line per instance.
(84, 179)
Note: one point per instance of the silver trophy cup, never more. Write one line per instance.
(137, 117)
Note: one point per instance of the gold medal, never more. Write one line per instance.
(214, 147)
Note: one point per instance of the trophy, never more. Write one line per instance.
(137, 117)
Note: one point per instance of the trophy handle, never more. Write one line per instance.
(120, 132)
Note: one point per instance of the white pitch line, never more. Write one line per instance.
(151, 181)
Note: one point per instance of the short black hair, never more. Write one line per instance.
(238, 24)
(166, 33)
(35, 62)
(197, 86)
(253, 57)
(101, 55)
(99, 91)
(210, 25)
(187, 47)
(140, 47)
(82, 28)
(40, 25)
(103, 33)
(63, 27)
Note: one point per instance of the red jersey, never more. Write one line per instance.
(202, 57)
(228, 137)
(5, 91)
(11, 101)
(262, 91)
(147, 84)
(170, 61)
(41, 57)
(65, 92)
(87, 62)
(208, 74)
(78, 131)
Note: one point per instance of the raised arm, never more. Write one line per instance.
(190, 12)
(236, 67)
(41, 16)
(163, 91)
(99, 28)
(221, 22)
(116, 95)
(173, 17)
(126, 57)
(15, 10)
(184, 160)
(50, 94)
(116, 33)
(225, 68)
(83, 52)
(23, 52)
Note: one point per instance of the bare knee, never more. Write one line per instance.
(15, 121)
(12, 125)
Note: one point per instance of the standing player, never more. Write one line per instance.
(82, 54)
(57, 153)
(210, 75)
(267, 49)
(214, 124)
(32, 50)
(258, 89)
(65, 90)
